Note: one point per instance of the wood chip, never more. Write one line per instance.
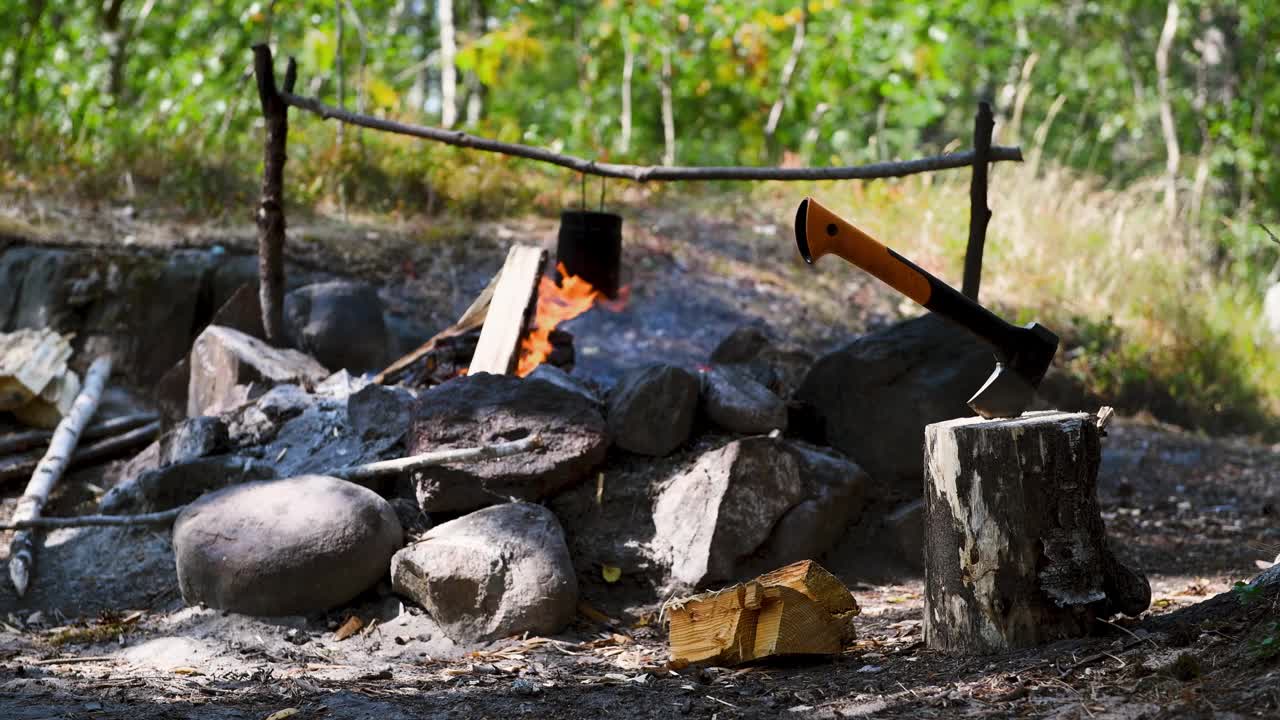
(349, 628)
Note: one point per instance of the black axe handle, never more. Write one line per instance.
(821, 232)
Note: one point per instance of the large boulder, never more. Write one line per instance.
(733, 400)
(651, 409)
(229, 368)
(753, 503)
(483, 409)
(339, 323)
(501, 571)
(284, 547)
(875, 396)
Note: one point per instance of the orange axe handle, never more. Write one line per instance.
(821, 232)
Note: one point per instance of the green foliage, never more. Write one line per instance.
(1263, 638)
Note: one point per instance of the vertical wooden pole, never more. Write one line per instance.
(270, 216)
(979, 213)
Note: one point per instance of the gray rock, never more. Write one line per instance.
(380, 411)
(193, 438)
(284, 547)
(875, 396)
(108, 300)
(484, 409)
(500, 571)
(563, 380)
(905, 528)
(177, 484)
(740, 346)
(755, 502)
(836, 497)
(339, 323)
(749, 349)
(651, 409)
(229, 368)
(733, 400)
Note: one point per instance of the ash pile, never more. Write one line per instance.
(296, 494)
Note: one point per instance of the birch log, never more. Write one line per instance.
(1015, 548)
(50, 469)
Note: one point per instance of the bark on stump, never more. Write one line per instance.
(1015, 548)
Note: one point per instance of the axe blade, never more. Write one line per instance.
(1005, 394)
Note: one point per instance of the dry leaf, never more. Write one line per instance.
(185, 671)
(282, 714)
(611, 573)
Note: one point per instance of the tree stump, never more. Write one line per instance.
(1015, 548)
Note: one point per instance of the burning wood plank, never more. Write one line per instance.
(799, 609)
(513, 299)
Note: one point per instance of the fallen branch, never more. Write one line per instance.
(17, 442)
(153, 518)
(105, 448)
(439, 457)
(643, 173)
(51, 467)
(353, 473)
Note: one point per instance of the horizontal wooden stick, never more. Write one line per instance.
(355, 472)
(645, 173)
(105, 448)
(17, 442)
(439, 457)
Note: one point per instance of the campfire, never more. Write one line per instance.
(512, 327)
(558, 304)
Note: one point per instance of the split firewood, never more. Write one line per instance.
(103, 449)
(472, 319)
(799, 609)
(29, 361)
(48, 408)
(51, 467)
(17, 442)
(514, 299)
(353, 473)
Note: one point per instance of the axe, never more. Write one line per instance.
(1023, 354)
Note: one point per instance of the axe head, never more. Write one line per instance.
(1021, 363)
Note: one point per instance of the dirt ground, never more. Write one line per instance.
(1194, 513)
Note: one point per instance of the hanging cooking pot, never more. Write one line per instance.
(590, 246)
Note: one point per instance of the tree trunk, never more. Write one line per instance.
(628, 67)
(984, 124)
(1015, 548)
(668, 114)
(784, 84)
(271, 224)
(448, 71)
(475, 88)
(1167, 126)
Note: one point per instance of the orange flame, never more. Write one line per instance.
(557, 304)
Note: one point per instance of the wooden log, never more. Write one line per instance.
(513, 300)
(1015, 548)
(800, 609)
(21, 549)
(472, 319)
(104, 449)
(979, 214)
(29, 361)
(17, 442)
